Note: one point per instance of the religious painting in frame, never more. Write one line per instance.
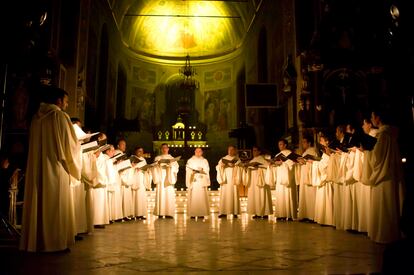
(62, 77)
(142, 107)
(217, 110)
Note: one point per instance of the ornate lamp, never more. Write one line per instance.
(188, 72)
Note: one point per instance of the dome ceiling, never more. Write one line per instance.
(171, 29)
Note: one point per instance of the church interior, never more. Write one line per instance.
(206, 74)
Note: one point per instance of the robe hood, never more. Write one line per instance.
(393, 131)
(46, 109)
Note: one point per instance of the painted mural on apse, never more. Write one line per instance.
(217, 110)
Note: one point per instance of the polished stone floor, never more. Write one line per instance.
(183, 245)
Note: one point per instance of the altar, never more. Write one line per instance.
(182, 140)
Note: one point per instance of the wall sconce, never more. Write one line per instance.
(289, 75)
(80, 98)
(80, 95)
(286, 85)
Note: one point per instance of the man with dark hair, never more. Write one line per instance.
(362, 191)
(384, 175)
(141, 181)
(259, 197)
(307, 192)
(284, 141)
(165, 176)
(228, 176)
(308, 139)
(282, 175)
(369, 128)
(54, 156)
(197, 179)
(55, 95)
(323, 180)
(340, 156)
(352, 135)
(341, 136)
(121, 146)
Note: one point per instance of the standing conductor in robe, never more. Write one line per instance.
(164, 176)
(384, 174)
(54, 156)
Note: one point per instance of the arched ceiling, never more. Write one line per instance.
(171, 29)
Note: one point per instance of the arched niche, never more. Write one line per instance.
(174, 100)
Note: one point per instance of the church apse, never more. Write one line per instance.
(157, 101)
(179, 123)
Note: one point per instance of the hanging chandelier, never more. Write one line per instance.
(188, 74)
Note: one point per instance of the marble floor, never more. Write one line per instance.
(183, 245)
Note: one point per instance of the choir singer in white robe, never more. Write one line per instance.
(363, 192)
(386, 181)
(89, 179)
(284, 178)
(321, 178)
(89, 173)
(54, 156)
(259, 197)
(307, 191)
(78, 189)
(197, 179)
(114, 187)
(127, 205)
(141, 182)
(164, 177)
(101, 212)
(228, 176)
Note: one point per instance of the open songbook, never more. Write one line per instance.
(159, 162)
(134, 159)
(95, 146)
(81, 135)
(337, 147)
(119, 157)
(311, 157)
(199, 171)
(229, 162)
(168, 161)
(294, 157)
(278, 157)
(87, 136)
(89, 146)
(103, 148)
